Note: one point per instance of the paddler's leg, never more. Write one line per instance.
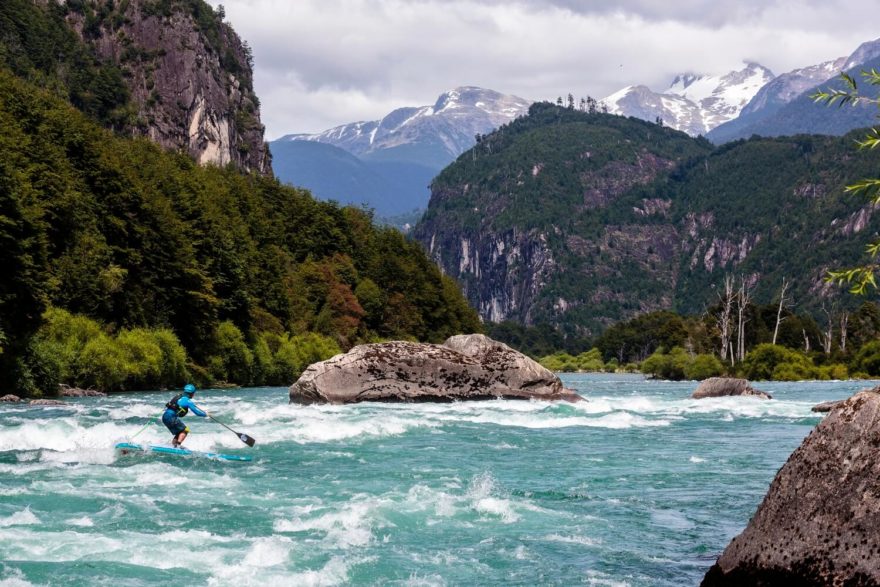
(181, 437)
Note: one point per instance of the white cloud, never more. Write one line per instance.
(320, 63)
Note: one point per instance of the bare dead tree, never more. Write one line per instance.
(782, 304)
(744, 298)
(844, 325)
(723, 319)
(828, 335)
(806, 341)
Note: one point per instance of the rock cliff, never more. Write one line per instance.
(818, 522)
(189, 75)
(581, 220)
(466, 367)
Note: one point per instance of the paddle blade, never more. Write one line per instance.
(246, 439)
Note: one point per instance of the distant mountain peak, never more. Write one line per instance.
(866, 52)
(440, 132)
(694, 103)
(681, 82)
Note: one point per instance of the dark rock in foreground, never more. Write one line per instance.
(726, 386)
(467, 367)
(818, 523)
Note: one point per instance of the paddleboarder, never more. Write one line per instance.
(177, 408)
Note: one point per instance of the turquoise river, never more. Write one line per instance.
(639, 485)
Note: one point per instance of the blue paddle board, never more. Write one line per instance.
(125, 448)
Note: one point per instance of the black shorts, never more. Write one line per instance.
(173, 423)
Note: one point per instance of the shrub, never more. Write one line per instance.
(232, 359)
(101, 364)
(296, 353)
(774, 362)
(702, 367)
(142, 356)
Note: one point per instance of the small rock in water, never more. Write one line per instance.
(466, 367)
(10, 398)
(818, 522)
(67, 391)
(46, 402)
(827, 406)
(727, 386)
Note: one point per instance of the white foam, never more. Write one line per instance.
(582, 540)
(480, 493)
(11, 577)
(24, 517)
(602, 580)
(345, 528)
(695, 460)
(268, 552)
(83, 522)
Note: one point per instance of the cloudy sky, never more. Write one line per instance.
(321, 63)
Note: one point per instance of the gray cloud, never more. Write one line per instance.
(320, 63)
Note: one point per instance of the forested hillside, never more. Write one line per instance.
(141, 243)
(580, 220)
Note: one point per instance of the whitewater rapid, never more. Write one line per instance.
(639, 485)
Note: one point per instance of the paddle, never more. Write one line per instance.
(241, 436)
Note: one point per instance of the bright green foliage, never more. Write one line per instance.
(232, 359)
(132, 237)
(80, 352)
(773, 362)
(678, 364)
(588, 361)
(702, 367)
(290, 355)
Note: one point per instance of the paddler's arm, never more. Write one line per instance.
(188, 403)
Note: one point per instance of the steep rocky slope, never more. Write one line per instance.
(169, 70)
(580, 220)
(189, 74)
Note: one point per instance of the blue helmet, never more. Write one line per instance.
(189, 388)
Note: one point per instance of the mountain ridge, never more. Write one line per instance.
(580, 220)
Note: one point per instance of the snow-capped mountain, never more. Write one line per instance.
(789, 86)
(387, 164)
(693, 103)
(783, 106)
(431, 135)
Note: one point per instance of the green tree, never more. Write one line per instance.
(861, 277)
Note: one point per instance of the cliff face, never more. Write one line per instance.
(530, 221)
(189, 75)
(579, 220)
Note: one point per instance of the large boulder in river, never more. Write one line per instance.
(470, 367)
(725, 386)
(818, 523)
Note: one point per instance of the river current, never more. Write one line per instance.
(639, 485)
